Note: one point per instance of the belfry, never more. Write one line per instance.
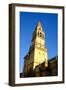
(37, 53)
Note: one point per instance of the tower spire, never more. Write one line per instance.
(39, 24)
(38, 31)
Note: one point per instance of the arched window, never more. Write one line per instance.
(40, 34)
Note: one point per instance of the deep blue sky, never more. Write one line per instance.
(28, 22)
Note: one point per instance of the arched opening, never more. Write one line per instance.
(40, 34)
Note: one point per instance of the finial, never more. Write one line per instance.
(39, 23)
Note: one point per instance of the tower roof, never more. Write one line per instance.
(38, 29)
(38, 25)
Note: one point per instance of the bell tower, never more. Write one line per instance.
(37, 53)
(40, 51)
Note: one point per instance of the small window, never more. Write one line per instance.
(40, 34)
(39, 28)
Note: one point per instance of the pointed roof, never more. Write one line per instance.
(37, 28)
(38, 24)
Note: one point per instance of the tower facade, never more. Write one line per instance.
(37, 53)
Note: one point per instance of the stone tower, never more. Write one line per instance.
(37, 53)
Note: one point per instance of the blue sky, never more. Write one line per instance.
(28, 22)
